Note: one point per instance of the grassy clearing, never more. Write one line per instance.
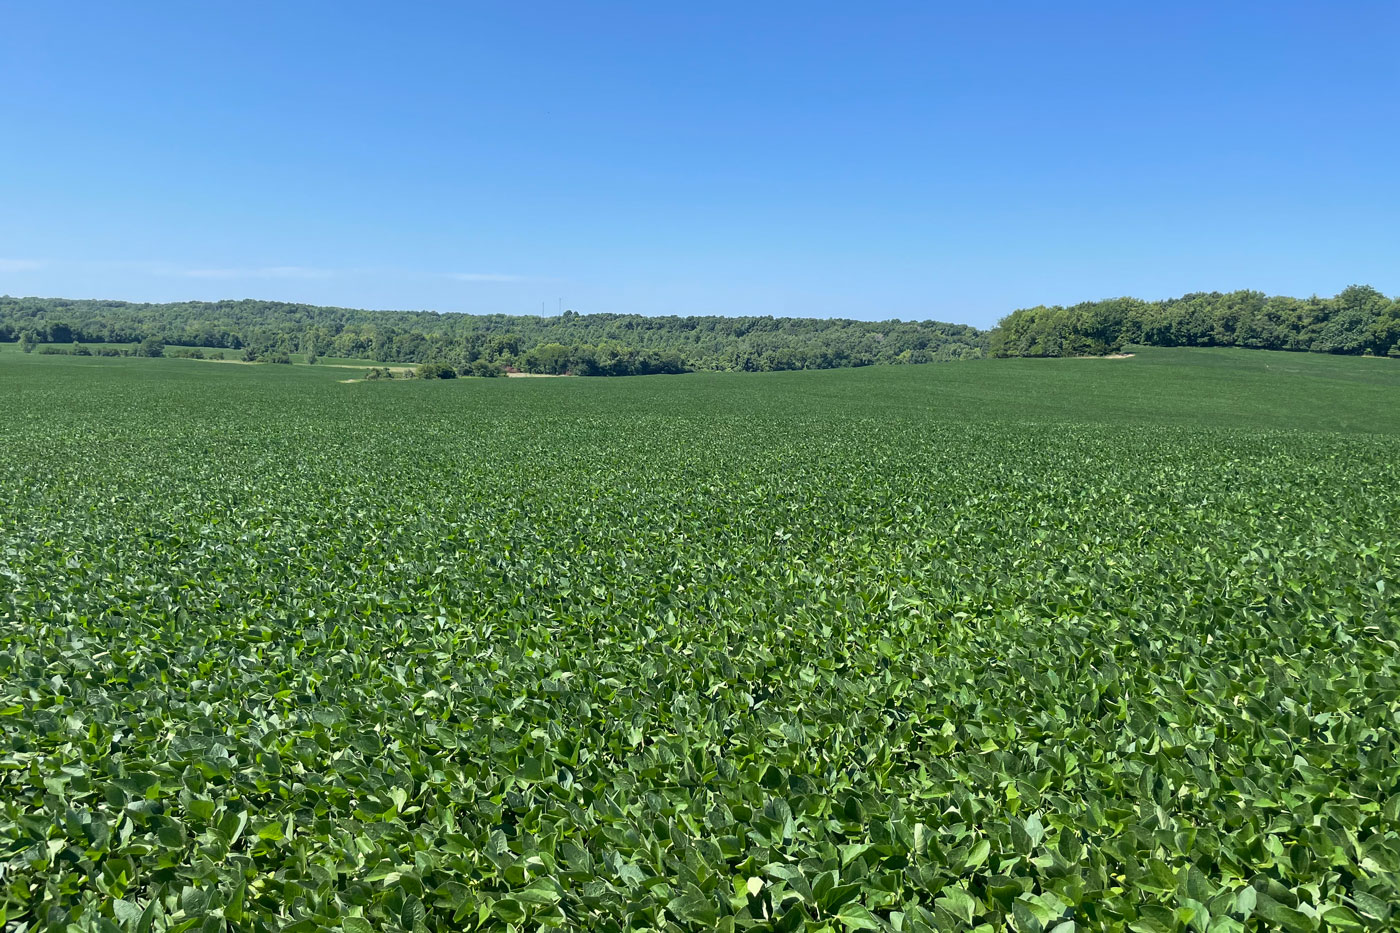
(1017, 643)
(299, 359)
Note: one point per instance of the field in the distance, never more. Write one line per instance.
(1031, 644)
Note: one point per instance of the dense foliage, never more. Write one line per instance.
(1359, 320)
(588, 345)
(1046, 647)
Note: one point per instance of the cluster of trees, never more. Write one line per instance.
(606, 359)
(1359, 320)
(594, 344)
(148, 347)
(441, 370)
(77, 349)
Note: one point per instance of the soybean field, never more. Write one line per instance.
(1031, 645)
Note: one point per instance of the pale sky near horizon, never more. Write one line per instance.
(872, 160)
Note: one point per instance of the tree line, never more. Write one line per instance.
(1358, 320)
(593, 344)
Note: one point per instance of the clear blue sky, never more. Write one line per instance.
(869, 160)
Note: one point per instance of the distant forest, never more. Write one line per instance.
(593, 344)
(1359, 320)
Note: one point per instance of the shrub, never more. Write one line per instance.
(437, 370)
(483, 369)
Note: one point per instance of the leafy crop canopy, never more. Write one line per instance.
(741, 654)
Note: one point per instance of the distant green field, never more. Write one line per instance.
(1042, 645)
(297, 358)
